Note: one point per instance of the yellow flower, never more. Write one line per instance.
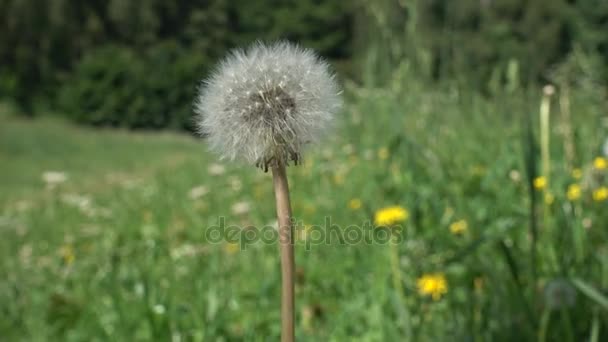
(67, 254)
(390, 215)
(434, 285)
(574, 192)
(600, 163)
(354, 204)
(231, 248)
(383, 153)
(459, 227)
(540, 183)
(339, 178)
(577, 173)
(600, 194)
(549, 198)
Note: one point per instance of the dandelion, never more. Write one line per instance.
(559, 294)
(390, 215)
(67, 254)
(354, 204)
(515, 176)
(434, 285)
(600, 163)
(383, 153)
(577, 173)
(264, 105)
(459, 227)
(540, 183)
(574, 192)
(231, 248)
(600, 194)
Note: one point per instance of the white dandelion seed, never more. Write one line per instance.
(265, 103)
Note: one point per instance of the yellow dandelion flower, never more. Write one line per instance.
(67, 254)
(540, 183)
(383, 153)
(354, 204)
(577, 173)
(549, 198)
(574, 192)
(459, 227)
(339, 178)
(390, 215)
(600, 163)
(231, 248)
(434, 285)
(600, 194)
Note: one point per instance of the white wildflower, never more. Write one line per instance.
(159, 309)
(52, 178)
(216, 169)
(198, 192)
(241, 208)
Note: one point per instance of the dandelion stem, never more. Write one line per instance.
(281, 191)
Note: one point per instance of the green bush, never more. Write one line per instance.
(114, 86)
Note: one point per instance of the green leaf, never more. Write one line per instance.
(591, 292)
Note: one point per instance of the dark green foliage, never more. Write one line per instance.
(113, 86)
(481, 43)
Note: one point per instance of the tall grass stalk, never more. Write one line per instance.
(545, 110)
(399, 291)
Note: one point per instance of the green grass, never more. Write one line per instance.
(119, 250)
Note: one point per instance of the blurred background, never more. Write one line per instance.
(485, 121)
(136, 63)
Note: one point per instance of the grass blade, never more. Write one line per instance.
(591, 292)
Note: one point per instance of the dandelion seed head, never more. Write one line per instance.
(559, 293)
(265, 103)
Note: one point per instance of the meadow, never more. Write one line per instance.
(104, 232)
